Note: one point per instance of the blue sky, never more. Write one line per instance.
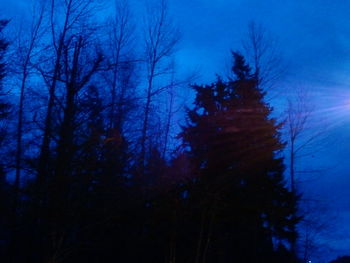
(314, 39)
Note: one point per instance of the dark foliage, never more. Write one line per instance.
(240, 191)
(84, 197)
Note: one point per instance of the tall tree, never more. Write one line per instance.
(67, 66)
(119, 45)
(235, 145)
(262, 53)
(305, 137)
(8, 200)
(161, 38)
(26, 50)
(65, 19)
(4, 105)
(80, 64)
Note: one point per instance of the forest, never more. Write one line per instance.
(109, 154)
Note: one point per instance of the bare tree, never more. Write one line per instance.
(80, 64)
(65, 17)
(304, 137)
(173, 105)
(316, 229)
(261, 52)
(170, 113)
(119, 44)
(66, 65)
(26, 51)
(161, 38)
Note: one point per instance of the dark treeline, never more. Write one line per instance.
(94, 167)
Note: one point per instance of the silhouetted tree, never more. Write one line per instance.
(80, 64)
(263, 55)
(219, 198)
(7, 204)
(161, 38)
(4, 104)
(121, 38)
(26, 49)
(66, 18)
(236, 146)
(305, 137)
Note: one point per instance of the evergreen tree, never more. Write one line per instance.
(235, 144)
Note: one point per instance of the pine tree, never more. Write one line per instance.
(235, 145)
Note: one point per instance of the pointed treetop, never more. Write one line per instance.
(240, 68)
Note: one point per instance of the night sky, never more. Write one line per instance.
(313, 38)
